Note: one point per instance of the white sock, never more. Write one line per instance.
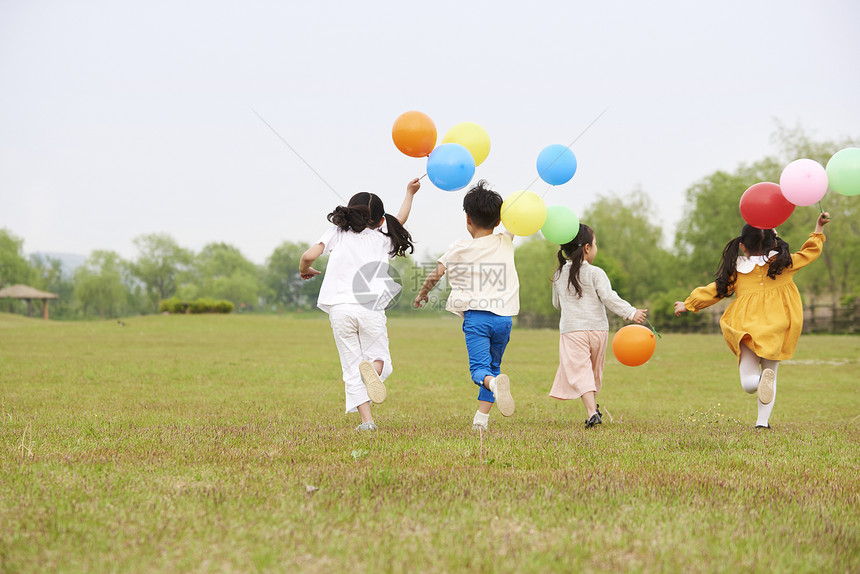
(481, 418)
(492, 385)
(765, 410)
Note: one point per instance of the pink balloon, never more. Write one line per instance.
(764, 206)
(803, 182)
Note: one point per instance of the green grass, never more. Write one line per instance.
(219, 443)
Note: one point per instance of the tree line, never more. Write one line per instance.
(646, 266)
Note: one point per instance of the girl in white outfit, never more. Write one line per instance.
(583, 293)
(357, 288)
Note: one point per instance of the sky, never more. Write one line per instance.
(120, 119)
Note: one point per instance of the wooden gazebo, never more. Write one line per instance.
(28, 294)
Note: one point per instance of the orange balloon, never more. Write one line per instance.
(414, 133)
(633, 345)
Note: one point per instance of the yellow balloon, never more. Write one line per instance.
(523, 213)
(472, 137)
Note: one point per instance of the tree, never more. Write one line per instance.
(536, 263)
(160, 262)
(14, 268)
(51, 278)
(221, 271)
(841, 254)
(282, 274)
(99, 285)
(625, 234)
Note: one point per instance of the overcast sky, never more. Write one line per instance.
(119, 119)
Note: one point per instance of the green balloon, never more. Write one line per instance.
(561, 224)
(843, 171)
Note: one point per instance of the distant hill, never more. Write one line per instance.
(69, 261)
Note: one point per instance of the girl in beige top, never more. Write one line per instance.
(583, 292)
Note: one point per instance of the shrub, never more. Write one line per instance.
(175, 305)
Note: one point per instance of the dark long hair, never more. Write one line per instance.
(572, 251)
(366, 210)
(757, 242)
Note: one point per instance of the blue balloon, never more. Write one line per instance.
(450, 167)
(556, 164)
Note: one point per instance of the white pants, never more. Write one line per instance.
(360, 335)
(750, 366)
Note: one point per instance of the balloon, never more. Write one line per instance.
(450, 167)
(633, 345)
(556, 164)
(764, 206)
(561, 224)
(523, 213)
(803, 182)
(471, 136)
(414, 133)
(843, 171)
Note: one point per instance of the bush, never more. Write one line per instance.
(172, 305)
(175, 305)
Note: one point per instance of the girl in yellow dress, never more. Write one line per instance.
(763, 324)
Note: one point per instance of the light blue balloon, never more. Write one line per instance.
(450, 167)
(556, 164)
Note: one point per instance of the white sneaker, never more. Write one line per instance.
(479, 426)
(371, 380)
(766, 386)
(504, 400)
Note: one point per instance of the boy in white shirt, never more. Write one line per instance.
(485, 293)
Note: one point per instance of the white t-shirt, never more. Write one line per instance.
(357, 271)
(482, 275)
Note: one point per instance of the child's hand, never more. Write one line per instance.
(823, 220)
(639, 316)
(680, 308)
(419, 301)
(310, 273)
(413, 186)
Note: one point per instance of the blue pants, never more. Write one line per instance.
(487, 335)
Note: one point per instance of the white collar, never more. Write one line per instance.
(748, 264)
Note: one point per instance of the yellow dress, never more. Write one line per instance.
(767, 314)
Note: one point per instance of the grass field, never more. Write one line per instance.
(219, 444)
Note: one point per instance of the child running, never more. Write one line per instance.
(485, 293)
(356, 289)
(763, 324)
(582, 292)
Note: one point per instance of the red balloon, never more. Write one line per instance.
(764, 206)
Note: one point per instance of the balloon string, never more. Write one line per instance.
(659, 336)
(821, 208)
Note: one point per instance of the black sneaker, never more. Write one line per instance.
(763, 426)
(600, 414)
(593, 421)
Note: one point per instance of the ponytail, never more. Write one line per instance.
(401, 240)
(781, 260)
(352, 218)
(572, 251)
(727, 273)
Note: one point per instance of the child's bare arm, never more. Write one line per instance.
(406, 206)
(429, 283)
(308, 258)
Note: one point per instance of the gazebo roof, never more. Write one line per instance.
(25, 292)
